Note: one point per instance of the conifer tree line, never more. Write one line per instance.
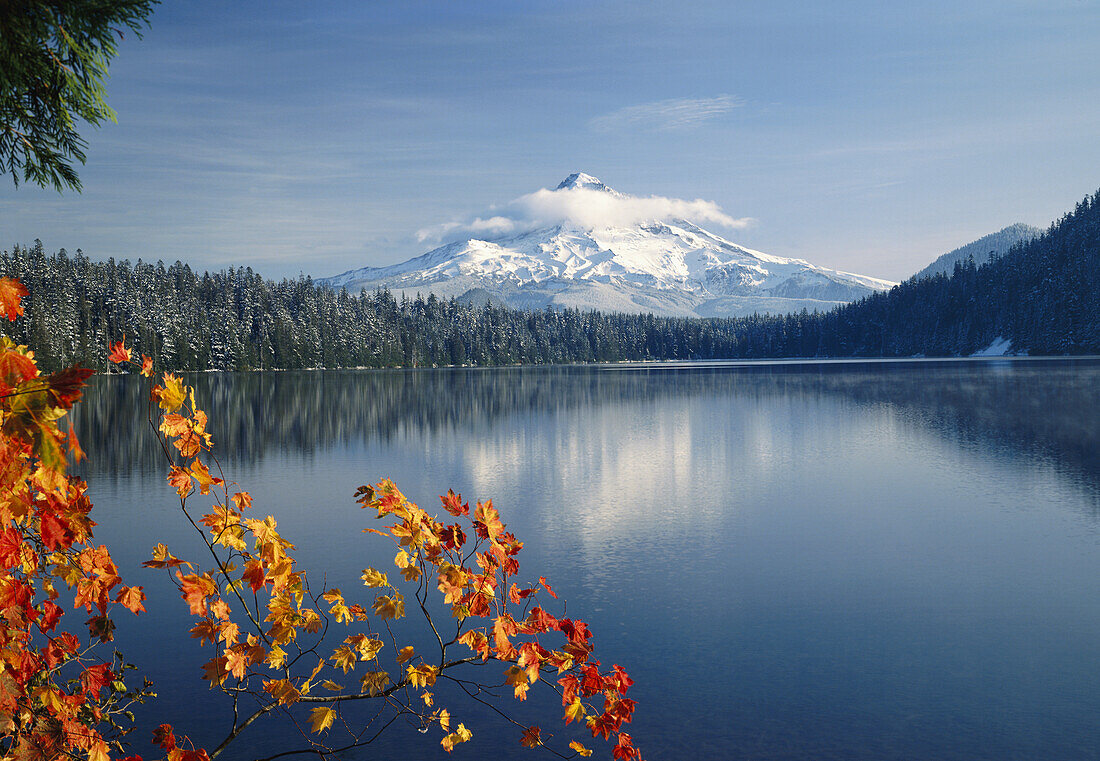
(237, 320)
(1042, 295)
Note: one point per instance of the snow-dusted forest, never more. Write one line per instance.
(1037, 298)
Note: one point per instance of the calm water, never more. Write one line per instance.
(796, 561)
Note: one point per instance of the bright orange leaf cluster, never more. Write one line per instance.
(57, 697)
(513, 627)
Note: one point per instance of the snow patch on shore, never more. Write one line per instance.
(1001, 347)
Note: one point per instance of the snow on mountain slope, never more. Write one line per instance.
(666, 266)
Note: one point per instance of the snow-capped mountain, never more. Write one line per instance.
(665, 266)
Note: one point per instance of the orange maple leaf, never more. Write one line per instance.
(282, 691)
(254, 575)
(11, 294)
(194, 589)
(132, 597)
(204, 630)
(454, 505)
(487, 524)
(119, 353)
(181, 480)
(215, 672)
(202, 475)
(236, 661)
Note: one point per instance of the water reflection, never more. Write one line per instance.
(1043, 409)
(849, 561)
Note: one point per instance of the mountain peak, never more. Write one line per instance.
(582, 180)
(586, 246)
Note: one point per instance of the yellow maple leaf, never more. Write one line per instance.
(574, 745)
(172, 395)
(366, 646)
(422, 675)
(460, 735)
(321, 718)
(373, 682)
(264, 531)
(374, 578)
(344, 657)
(341, 613)
(517, 677)
(276, 657)
(386, 607)
(574, 711)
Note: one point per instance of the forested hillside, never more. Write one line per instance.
(983, 249)
(1042, 296)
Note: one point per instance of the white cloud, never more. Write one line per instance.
(586, 208)
(665, 114)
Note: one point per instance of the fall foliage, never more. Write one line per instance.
(279, 640)
(59, 694)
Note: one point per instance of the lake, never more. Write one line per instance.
(820, 560)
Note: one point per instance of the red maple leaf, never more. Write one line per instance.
(55, 532)
(65, 385)
(51, 616)
(164, 737)
(119, 352)
(95, 678)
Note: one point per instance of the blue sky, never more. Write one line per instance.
(318, 137)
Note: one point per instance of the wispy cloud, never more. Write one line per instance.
(665, 114)
(582, 207)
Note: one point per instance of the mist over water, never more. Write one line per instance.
(795, 561)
